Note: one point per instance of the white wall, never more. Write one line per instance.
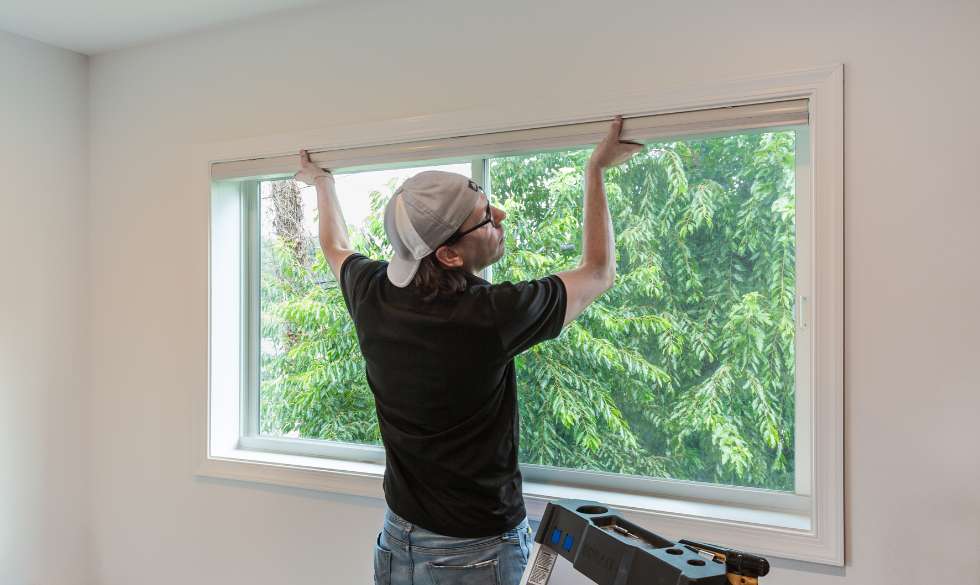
(912, 205)
(44, 504)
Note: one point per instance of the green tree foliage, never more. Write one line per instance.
(685, 369)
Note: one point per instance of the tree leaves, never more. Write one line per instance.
(693, 347)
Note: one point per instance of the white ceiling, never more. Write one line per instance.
(99, 26)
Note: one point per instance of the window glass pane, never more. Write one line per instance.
(686, 367)
(311, 371)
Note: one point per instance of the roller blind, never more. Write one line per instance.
(640, 129)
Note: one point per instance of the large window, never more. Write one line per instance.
(685, 369)
(702, 394)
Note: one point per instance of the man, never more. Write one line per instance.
(439, 345)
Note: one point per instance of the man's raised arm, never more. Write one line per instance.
(334, 239)
(597, 269)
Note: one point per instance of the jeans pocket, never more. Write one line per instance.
(482, 573)
(382, 563)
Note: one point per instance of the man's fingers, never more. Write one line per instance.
(615, 128)
(630, 147)
(627, 151)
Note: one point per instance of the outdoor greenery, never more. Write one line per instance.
(685, 369)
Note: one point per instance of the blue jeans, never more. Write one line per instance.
(406, 554)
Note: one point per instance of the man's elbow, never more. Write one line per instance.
(333, 245)
(609, 278)
(604, 275)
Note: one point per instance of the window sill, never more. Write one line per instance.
(299, 471)
(648, 509)
(766, 532)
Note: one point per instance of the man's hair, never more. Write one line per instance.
(433, 279)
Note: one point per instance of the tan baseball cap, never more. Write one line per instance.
(422, 214)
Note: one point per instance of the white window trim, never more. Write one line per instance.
(815, 534)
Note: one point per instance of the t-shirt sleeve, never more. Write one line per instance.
(527, 313)
(355, 275)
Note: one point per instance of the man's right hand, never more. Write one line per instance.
(612, 151)
(309, 172)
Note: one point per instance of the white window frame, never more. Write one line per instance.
(806, 526)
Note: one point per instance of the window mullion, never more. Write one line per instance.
(480, 172)
(803, 403)
(251, 306)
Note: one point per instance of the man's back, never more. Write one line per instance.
(442, 373)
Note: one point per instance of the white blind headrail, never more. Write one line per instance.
(639, 128)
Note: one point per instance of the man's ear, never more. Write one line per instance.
(448, 257)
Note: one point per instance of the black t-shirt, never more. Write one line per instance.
(442, 374)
